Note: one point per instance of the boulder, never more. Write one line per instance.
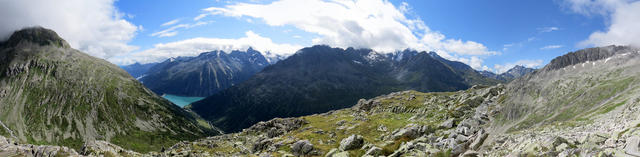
(341, 122)
(351, 142)
(277, 126)
(261, 145)
(374, 151)
(341, 154)
(410, 131)
(470, 153)
(596, 139)
(632, 146)
(366, 105)
(302, 147)
(94, 148)
(332, 152)
(447, 124)
(479, 140)
(382, 128)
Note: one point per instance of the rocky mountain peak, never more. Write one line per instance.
(518, 71)
(585, 55)
(37, 35)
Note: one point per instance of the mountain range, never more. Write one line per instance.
(584, 103)
(201, 75)
(320, 78)
(511, 74)
(138, 70)
(53, 94)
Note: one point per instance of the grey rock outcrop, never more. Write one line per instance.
(374, 151)
(277, 126)
(10, 147)
(96, 148)
(351, 142)
(632, 146)
(584, 55)
(302, 147)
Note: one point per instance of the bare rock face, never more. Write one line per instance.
(584, 55)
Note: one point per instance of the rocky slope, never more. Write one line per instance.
(320, 78)
(53, 94)
(205, 74)
(586, 102)
(587, 108)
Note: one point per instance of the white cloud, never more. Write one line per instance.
(375, 24)
(501, 68)
(548, 29)
(199, 17)
(195, 46)
(172, 31)
(168, 23)
(95, 27)
(597, 7)
(622, 19)
(506, 47)
(549, 47)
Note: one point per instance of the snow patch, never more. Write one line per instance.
(138, 78)
(374, 56)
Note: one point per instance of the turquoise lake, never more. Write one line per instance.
(181, 100)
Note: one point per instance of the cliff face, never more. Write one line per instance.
(586, 55)
(53, 94)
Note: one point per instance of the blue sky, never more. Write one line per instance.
(496, 24)
(488, 35)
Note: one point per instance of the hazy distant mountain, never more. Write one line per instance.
(138, 70)
(53, 94)
(320, 78)
(205, 74)
(513, 73)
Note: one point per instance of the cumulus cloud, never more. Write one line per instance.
(549, 47)
(95, 27)
(375, 24)
(622, 19)
(195, 46)
(501, 68)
